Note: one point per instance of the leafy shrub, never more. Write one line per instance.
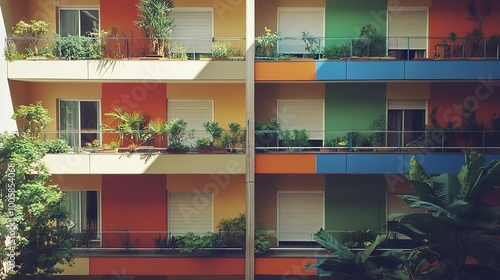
(11, 53)
(266, 133)
(333, 51)
(56, 146)
(73, 47)
(221, 49)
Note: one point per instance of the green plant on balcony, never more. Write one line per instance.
(333, 51)
(33, 31)
(221, 50)
(295, 138)
(267, 44)
(177, 51)
(156, 23)
(236, 136)
(178, 135)
(312, 46)
(56, 146)
(267, 132)
(32, 119)
(130, 127)
(74, 47)
(368, 43)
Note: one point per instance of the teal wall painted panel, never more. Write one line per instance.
(352, 106)
(344, 18)
(354, 202)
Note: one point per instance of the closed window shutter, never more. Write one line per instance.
(194, 29)
(408, 104)
(194, 112)
(302, 114)
(404, 24)
(190, 212)
(291, 23)
(300, 216)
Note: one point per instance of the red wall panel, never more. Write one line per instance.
(137, 203)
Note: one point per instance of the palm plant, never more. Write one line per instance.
(130, 127)
(155, 23)
(458, 232)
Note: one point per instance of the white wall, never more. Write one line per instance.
(6, 108)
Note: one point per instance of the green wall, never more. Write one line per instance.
(344, 18)
(353, 106)
(354, 202)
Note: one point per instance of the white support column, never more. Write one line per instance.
(250, 145)
(6, 107)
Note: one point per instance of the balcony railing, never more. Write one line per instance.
(398, 48)
(120, 47)
(438, 141)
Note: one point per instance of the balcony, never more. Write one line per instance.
(119, 59)
(356, 59)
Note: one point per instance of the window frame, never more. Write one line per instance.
(78, 9)
(98, 130)
(408, 9)
(99, 211)
(194, 49)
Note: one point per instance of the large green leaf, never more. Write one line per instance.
(365, 254)
(416, 172)
(420, 226)
(470, 172)
(436, 210)
(333, 245)
(426, 193)
(488, 178)
(447, 188)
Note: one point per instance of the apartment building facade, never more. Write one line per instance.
(412, 77)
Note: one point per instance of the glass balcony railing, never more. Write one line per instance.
(121, 47)
(273, 47)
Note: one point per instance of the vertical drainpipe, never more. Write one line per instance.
(250, 143)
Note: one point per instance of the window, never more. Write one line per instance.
(407, 119)
(78, 21)
(408, 23)
(194, 112)
(193, 28)
(190, 212)
(300, 215)
(79, 121)
(84, 212)
(293, 21)
(302, 114)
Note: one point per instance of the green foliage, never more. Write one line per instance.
(459, 226)
(191, 242)
(11, 53)
(232, 231)
(74, 47)
(346, 264)
(177, 51)
(267, 44)
(178, 135)
(295, 138)
(221, 49)
(236, 136)
(263, 239)
(41, 242)
(368, 43)
(311, 44)
(56, 146)
(337, 142)
(156, 23)
(130, 127)
(358, 239)
(32, 119)
(378, 128)
(266, 133)
(33, 31)
(337, 51)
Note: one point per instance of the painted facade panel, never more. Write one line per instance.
(362, 197)
(352, 106)
(361, 163)
(168, 266)
(285, 164)
(331, 70)
(135, 205)
(375, 70)
(417, 90)
(331, 163)
(81, 266)
(451, 70)
(77, 182)
(285, 71)
(285, 267)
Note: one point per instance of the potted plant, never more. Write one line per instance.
(294, 139)
(93, 147)
(112, 147)
(130, 127)
(177, 51)
(236, 54)
(266, 46)
(236, 137)
(215, 130)
(266, 133)
(335, 144)
(221, 50)
(156, 24)
(178, 136)
(311, 45)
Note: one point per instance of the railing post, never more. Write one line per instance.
(485, 42)
(408, 50)
(351, 47)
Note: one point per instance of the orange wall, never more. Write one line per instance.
(450, 98)
(266, 193)
(229, 99)
(288, 268)
(168, 266)
(228, 191)
(285, 71)
(77, 182)
(446, 16)
(134, 203)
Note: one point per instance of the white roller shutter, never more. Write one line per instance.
(300, 215)
(293, 21)
(302, 114)
(404, 24)
(193, 28)
(190, 212)
(194, 112)
(406, 104)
